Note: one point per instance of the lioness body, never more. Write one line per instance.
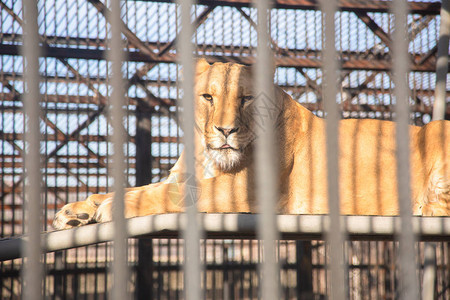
(225, 116)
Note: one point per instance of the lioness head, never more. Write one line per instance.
(224, 98)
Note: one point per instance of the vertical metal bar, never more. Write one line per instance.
(192, 232)
(429, 272)
(33, 271)
(304, 270)
(334, 235)
(439, 106)
(144, 176)
(266, 167)
(118, 138)
(400, 59)
(330, 70)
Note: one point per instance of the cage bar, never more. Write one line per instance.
(118, 138)
(407, 239)
(442, 63)
(265, 151)
(335, 236)
(192, 232)
(33, 271)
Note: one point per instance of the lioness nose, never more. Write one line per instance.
(227, 131)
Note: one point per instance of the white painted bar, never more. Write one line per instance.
(116, 56)
(33, 269)
(400, 59)
(192, 231)
(266, 149)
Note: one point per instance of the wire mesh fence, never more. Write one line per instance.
(76, 153)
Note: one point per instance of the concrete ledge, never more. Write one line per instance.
(232, 226)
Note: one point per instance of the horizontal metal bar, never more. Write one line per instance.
(85, 138)
(53, 165)
(349, 60)
(76, 99)
(235, 226)
(346, 107)
(226, 50)
(422, 8)
(52, 189)
(83, 160)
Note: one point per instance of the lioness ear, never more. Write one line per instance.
(202, 66)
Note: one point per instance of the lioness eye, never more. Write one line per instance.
(207, 97)
(247, 98)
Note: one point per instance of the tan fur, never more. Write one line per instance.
(368, 181)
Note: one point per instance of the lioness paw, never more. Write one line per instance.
(104, 212)
(74, 215)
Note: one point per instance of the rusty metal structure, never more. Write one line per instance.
(75, 87)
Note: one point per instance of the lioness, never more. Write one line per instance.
(225, 115)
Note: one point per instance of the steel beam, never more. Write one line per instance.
(84, 138)
(421, 8)
(349, 60)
